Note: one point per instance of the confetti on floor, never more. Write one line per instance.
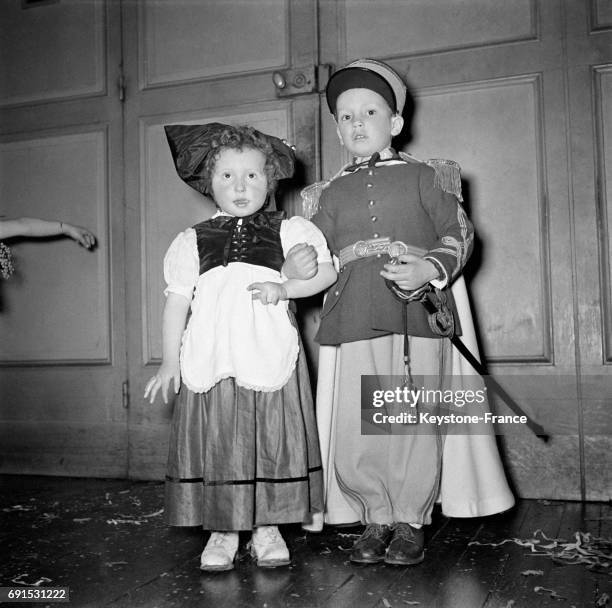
(551, 593)
(532, 572)
(348, 535)
(592, 551)
(602, 600)
(116, 522)
(21, 580)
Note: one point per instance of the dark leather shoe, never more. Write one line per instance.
(371, 546)
(406, 546)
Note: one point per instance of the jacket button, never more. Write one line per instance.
(336, 293)
(370, 171)
(376, 235)
(374, 218)
(371, 203)
(368, 185)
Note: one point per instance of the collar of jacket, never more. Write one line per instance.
(359, 162)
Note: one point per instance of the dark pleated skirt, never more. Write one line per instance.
(240, 458)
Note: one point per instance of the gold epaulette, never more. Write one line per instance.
(312, 193)
(310, 198)
(448, 176)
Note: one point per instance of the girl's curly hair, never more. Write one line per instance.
(238, 138)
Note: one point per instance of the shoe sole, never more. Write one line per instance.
(405, 562)
(273, 563)
(270, 563)
(365, 560)
(217, 568)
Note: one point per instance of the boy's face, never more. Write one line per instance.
(239, 182)
(365, 123)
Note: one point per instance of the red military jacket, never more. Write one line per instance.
(397, 199)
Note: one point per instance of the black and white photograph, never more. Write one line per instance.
(306, 303)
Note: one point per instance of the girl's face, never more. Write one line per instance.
(365, 122)
(239, 182)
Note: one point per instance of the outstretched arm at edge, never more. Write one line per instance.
(35, 227)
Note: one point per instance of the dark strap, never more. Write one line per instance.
(441, 322)
(491, 383)
(494, 386)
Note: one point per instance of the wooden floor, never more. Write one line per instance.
(107, 541)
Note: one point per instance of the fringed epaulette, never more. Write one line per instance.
(448, 173)
(312, 193)
(448, 176)
(310, 198)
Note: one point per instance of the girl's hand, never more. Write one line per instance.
(268, 292)
(411, 273)
(81, 235)
(162, 379)
(301, 262)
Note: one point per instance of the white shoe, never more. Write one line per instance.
(269, 548)
(314, 522)
(219, 552)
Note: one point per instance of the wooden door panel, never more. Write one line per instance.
(488, 81)
(169, 206)
(595, 295)
(59, 291)
(501, 131)
(52, 52)
(602, 17)
(493, 129)
(217, 38)
(221, 71)
(590, 132)
(602, 80)
(62, 353)
(421, 26)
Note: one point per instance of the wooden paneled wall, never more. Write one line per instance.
(519, 93)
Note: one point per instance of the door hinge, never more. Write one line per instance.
(121, 87)
(125, 394)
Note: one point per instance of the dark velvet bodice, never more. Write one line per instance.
(254, 239)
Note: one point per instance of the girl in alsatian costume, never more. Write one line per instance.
(243, 446)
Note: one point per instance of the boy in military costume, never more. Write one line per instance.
(386, 204)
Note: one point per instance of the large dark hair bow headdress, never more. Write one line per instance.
(190, 146)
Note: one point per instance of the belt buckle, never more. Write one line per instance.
(360, 249)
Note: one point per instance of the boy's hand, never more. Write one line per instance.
(301, 262)
(162, 379)
(268, 292)
(411, 273)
